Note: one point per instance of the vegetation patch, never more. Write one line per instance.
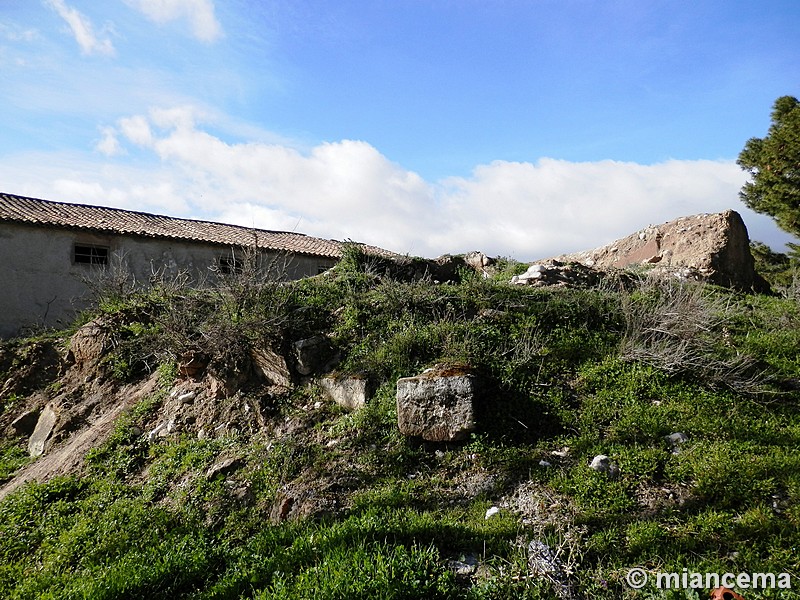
(689, 392)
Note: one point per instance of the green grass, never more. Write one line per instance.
(560, 387)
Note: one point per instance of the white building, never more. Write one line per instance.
(50, 250)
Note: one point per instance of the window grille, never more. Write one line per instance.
(90, 255)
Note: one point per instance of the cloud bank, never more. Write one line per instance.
(349, 190)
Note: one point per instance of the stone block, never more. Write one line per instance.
(42, 432)
(312, 354)
(437, 405)
(350, 393)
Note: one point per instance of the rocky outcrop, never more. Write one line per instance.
(447, 268)
(272, 367)
(706, 247)
(25, 423)
(29, 366)
(192, 364)
(437, 405)
(480, 262)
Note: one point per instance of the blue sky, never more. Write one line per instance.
(518, 127)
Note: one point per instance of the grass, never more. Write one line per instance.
(569, 374)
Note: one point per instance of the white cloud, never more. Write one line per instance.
(108, 144)
(82, 30)
(199, 13)
(125, 194)
(137, 130)
(14, 33)
(557, 206)
(348, 189)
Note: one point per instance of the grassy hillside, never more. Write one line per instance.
(569, 374)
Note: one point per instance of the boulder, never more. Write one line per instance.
(42, 432)
(437, 405)
(312, 355)
(350, 392)
(89, 343)
(446, 268)
(478, 260)
(272, 367)
(556, 273)
(25, 424)
(708, 247)
(224, 467)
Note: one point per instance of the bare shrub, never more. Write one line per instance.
(248, 286)
(111, 284)
(681, 328)
(223, 315)
(247, 306)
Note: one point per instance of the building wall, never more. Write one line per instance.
(42, 285)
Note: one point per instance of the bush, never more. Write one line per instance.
(681, 328)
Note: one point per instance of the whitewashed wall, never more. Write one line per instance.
(42, 285)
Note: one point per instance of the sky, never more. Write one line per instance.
(521, 128)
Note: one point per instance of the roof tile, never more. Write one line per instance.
(21, 209)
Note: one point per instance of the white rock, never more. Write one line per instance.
(491, 512)
(542, 559)
(603, 464)
(187, 397)
(154, 433)
(675, 440)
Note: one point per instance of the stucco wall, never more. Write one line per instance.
(41, 285)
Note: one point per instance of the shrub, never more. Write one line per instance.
(680, 328)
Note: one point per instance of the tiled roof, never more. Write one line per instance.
(20, 209)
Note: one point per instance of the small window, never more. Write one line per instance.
(229, 265)
(91, 255)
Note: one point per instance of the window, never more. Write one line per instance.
(325, 266)
(91, 255)
(228, 265)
